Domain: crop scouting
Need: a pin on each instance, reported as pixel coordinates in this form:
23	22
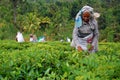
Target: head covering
87	8
96	15
78	18
19	37
31	35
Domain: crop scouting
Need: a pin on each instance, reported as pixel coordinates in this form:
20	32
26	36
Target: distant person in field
33	38
19	37
85	33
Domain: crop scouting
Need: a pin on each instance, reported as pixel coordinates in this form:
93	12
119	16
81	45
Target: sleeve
96	35
75	37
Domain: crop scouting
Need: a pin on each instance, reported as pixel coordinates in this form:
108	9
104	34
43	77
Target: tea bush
57	61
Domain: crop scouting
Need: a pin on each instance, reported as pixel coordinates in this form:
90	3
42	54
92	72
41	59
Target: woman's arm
75	38
96	35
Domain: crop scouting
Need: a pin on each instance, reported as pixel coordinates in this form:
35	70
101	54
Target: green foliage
57	60
32	16
108	33
29	23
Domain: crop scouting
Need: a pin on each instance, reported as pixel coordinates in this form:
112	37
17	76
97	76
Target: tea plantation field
57	61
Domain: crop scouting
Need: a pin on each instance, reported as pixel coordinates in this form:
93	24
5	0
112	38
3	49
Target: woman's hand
91	48
79	48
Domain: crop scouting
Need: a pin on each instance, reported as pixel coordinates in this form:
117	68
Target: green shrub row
57	61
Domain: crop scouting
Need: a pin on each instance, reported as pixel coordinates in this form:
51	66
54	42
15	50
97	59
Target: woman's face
86	16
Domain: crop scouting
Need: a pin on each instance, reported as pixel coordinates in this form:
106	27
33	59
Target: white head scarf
20	37
78	18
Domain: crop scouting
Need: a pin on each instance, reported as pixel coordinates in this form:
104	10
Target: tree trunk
15	14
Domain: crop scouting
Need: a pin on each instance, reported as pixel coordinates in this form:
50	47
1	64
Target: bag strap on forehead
87	8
